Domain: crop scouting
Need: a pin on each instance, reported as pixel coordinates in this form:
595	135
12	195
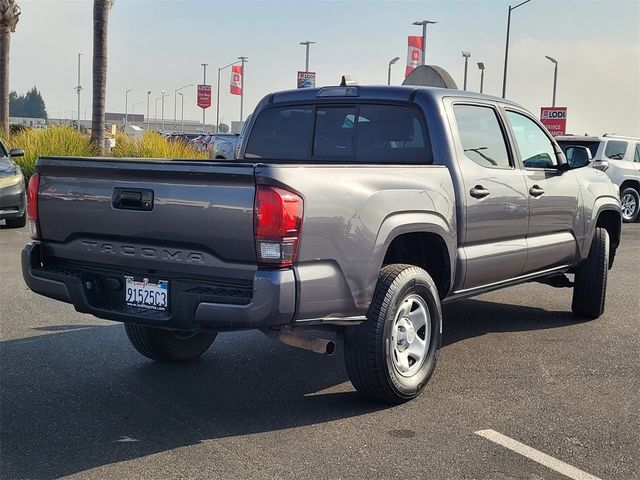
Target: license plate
147	294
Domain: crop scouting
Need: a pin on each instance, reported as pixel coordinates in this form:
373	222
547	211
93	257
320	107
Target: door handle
478	192
536	191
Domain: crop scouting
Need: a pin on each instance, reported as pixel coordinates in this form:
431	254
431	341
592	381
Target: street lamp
555	77
466	56
481	67
164	95
148	94
133	108
243	60
424	24
78	89
218	99
126	108
182	109
506	48
391	62
306	64
175	98
155	116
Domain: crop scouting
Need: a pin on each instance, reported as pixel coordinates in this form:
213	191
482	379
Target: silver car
13	199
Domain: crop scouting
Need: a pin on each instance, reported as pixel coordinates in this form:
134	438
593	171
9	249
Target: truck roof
374	92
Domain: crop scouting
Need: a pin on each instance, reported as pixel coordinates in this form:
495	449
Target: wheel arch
410	237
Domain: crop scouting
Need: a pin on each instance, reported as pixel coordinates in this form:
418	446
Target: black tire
17	222
630	208
369	347
590	285
168	345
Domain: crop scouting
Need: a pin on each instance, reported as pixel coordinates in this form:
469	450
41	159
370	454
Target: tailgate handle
130	199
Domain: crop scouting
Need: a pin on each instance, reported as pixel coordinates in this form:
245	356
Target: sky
160	45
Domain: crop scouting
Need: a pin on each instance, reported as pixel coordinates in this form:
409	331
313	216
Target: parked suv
618	157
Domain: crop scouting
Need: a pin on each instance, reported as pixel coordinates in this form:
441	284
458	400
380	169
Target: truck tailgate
189	217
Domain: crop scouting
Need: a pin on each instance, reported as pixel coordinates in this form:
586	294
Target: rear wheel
630	201
590	286
391	356
168	345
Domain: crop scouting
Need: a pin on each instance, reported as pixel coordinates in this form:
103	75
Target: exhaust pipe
317	345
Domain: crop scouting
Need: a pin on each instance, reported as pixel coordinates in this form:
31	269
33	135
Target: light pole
555	77
164	95
182	109
133	108
391	62
306	63
481	67
243	60
506	48
424	24
155	116
78	88
204	82
466	56
126	107
218	99
148	94
175	98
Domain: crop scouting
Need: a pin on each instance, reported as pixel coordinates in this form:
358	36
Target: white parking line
536	455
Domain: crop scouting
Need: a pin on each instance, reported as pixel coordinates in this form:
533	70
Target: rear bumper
270	301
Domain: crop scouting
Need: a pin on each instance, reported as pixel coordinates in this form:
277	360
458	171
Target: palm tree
100	27
9	15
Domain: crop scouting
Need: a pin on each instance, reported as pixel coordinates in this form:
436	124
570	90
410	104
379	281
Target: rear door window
361	133
615	149
481	136
636	156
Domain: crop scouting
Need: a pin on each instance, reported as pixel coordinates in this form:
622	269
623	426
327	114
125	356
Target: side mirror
16	152
577	156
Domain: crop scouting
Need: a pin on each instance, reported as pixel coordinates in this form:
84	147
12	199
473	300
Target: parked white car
618	157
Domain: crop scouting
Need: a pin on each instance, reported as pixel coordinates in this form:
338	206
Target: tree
9	15
100	27
30	105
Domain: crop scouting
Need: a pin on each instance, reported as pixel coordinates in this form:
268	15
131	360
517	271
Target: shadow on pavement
473	318
82	398
79	399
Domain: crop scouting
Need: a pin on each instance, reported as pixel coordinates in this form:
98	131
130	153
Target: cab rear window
333	133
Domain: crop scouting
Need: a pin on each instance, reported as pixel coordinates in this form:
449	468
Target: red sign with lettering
554	119
204	96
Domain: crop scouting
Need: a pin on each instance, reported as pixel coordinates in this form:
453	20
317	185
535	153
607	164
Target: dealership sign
306	79
204	96
554	119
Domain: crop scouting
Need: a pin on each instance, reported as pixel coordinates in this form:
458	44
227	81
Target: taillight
278	222
32	205
601	165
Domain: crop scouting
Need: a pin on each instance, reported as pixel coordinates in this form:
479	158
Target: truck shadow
82	397
473	318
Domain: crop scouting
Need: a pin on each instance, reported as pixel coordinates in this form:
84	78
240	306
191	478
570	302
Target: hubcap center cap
411	335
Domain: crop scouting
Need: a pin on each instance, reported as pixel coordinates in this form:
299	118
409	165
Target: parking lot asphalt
77	401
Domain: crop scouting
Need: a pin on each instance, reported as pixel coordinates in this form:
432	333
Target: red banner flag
415	53
236	80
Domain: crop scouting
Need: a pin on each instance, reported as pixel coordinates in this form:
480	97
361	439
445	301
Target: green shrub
55	141
152	145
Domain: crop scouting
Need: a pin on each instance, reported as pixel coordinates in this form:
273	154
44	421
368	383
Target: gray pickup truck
356	210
